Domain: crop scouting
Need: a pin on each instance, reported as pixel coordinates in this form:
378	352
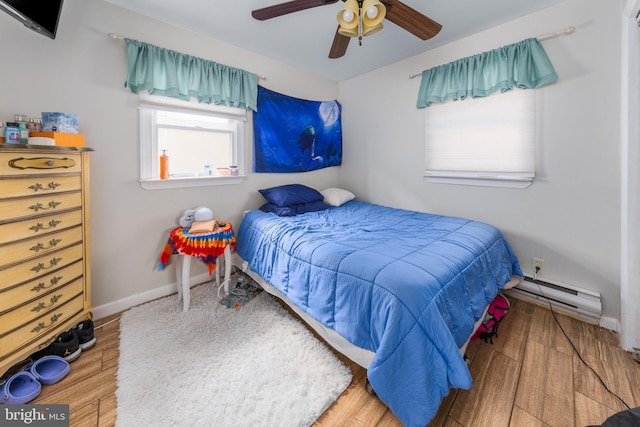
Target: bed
399	292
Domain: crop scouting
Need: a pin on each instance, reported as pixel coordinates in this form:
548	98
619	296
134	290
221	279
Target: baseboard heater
580	303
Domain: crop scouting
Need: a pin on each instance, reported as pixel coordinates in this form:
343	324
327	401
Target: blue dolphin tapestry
295	135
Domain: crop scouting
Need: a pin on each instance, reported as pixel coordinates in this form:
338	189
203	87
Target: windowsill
482	181
186	182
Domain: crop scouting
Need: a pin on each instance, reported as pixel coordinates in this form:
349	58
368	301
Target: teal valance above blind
168	73
524	65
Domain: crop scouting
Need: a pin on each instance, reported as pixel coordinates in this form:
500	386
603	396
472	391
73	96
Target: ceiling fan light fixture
348	15
374	13
348	18
367	31
349	32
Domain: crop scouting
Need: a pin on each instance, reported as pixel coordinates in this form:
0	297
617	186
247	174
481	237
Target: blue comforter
406	285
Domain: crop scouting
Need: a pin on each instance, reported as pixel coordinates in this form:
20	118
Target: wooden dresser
45	286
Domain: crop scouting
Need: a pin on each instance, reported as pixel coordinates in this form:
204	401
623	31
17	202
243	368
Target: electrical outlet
538	266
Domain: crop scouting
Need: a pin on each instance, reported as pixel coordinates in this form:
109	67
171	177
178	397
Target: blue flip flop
49	369
21	387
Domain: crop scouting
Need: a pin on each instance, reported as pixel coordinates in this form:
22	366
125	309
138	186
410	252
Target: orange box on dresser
62	139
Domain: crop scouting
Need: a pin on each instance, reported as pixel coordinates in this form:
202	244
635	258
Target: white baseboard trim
610	323
105	310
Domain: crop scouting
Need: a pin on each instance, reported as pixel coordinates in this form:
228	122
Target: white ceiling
303	38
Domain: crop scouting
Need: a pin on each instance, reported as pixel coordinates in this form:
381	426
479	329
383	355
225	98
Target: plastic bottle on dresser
34	125
21	119
1	132
11	133
164	165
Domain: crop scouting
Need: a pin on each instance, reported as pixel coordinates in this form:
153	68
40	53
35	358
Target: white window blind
482	141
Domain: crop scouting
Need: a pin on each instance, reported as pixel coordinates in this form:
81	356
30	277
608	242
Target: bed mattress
407	286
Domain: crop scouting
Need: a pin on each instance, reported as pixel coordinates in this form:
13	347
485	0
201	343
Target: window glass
201	142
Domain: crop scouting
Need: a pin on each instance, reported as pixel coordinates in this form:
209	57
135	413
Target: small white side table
182	276
208	247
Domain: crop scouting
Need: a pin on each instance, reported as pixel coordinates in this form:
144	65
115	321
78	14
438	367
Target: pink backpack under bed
489	327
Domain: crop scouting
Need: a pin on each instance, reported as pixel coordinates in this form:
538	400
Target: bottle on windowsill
164	165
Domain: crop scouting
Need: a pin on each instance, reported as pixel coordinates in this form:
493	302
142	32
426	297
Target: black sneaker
66	345
84	331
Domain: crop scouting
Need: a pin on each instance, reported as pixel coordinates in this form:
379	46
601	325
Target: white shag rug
215	366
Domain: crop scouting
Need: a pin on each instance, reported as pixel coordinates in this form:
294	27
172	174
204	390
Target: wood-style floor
529	376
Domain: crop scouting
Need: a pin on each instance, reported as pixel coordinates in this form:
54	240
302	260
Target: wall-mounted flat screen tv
41	16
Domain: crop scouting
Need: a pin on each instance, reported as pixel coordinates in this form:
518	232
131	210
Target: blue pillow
293	210
291	194
314	206
278	210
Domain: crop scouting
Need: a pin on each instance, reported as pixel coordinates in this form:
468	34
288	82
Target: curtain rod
119	37
566	31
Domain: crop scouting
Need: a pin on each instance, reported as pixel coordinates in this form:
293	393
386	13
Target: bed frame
356	354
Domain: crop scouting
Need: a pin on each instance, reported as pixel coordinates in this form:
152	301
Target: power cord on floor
555	317
106	323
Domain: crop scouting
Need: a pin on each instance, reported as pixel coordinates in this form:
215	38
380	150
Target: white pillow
337	196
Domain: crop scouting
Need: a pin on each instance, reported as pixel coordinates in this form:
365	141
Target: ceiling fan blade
339	45
288	7
411	20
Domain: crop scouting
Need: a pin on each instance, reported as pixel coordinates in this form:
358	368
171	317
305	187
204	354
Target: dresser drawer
36	164
40	245
43	305
15	296
47	204
39	267
37	226
35	186
34	330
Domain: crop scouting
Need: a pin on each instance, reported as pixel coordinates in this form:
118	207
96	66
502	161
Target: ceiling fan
394	10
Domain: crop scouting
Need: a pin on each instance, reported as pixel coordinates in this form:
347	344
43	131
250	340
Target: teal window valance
168	73
524	64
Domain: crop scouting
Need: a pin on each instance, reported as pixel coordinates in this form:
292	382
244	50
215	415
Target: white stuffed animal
203	214
197	214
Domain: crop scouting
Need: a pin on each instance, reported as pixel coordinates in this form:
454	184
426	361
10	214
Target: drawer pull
42	286
39	206
52	224
41	163
41	306
42	325
52	263
50	186
40	246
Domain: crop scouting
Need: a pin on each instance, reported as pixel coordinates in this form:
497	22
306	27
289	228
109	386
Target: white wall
82	71
570	216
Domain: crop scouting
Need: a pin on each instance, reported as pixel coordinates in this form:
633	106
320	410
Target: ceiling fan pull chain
360	22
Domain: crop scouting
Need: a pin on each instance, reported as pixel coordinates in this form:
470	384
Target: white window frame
509	179
149	152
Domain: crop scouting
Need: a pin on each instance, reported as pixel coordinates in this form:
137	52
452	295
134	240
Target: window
202	142
486	141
